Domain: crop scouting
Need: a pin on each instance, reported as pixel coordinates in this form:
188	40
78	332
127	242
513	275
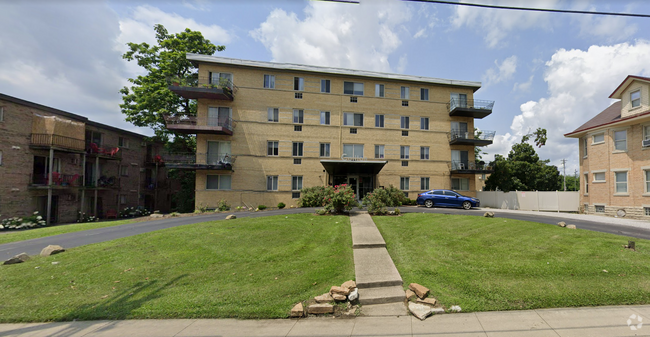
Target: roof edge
621	87
628	118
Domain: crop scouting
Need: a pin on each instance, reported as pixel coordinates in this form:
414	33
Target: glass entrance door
353	181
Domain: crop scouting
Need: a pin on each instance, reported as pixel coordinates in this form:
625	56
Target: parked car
446	198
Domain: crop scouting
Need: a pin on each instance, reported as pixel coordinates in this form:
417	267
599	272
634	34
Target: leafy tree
478	152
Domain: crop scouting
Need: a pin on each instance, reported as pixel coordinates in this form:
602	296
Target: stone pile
325	303
564	225
419	304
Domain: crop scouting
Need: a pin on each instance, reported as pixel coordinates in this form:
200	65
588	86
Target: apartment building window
124	170
297	149
424	183
379	90
404	183
597	139
457	100
296	183
218	182
405	103
299	84
324	149
424	153
297	128
379	151
274	115
325	86
269	81
219	116
404	152
460	184
353	99
298	95
122	199
646	210
635	98
620	140
325	117
621	182
353	88
459	160
404	122
404	93
585	145
646	132
405	163
353	131
424	123
94	137
599	208
271	183
646	174
298	116
424	94
217	151
221	79
272	148
123	142
599	177
586	183
353	150
2	114
379	121
352	119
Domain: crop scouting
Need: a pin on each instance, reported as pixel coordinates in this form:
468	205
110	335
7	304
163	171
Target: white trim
593	142
621	170
598	171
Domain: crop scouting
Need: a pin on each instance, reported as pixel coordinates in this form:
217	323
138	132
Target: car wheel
467	205
428	203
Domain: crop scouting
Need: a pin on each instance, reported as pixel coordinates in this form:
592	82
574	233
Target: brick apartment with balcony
56	160
615	154
292	126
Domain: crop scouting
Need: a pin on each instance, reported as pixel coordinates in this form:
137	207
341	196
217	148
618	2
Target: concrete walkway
601	321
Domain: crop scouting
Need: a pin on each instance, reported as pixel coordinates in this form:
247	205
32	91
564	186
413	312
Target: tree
478	152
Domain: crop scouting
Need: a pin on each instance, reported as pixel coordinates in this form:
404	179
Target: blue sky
543	69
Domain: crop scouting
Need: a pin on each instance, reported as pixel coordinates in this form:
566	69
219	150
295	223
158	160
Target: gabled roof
628	80
611	115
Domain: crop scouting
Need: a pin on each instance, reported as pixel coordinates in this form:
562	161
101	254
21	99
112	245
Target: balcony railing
469	107
59	180
203	125
103	182
458	137
466	166
105	151
204	87
52	140
199	161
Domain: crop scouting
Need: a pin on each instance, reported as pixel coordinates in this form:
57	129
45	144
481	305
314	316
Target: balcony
106	151
104	182
205	161
199	125
59	181
470	167
469	108
204	88
57	142
456	137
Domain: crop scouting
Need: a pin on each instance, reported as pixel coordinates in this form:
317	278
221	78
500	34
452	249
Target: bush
397	211
339	198
281	205
261	207
321	212
35	220
381	198
132	212
223	205
83	217
312	196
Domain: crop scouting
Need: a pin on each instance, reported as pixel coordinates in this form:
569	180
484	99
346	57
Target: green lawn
244	268
486	264
35	233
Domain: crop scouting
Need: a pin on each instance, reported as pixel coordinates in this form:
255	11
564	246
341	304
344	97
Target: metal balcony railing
103	181
58	179
192	121
484	135
199	160
466	165
46	139
455	103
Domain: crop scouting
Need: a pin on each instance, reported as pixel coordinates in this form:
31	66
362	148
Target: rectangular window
404	183
646	173
379	90
325	118
405	163
635	98
621	182
404	152
459	130
586	183
599	138
218	182
424	183
353	88
404	93
298	116
324	149
219	116
599	177
2	114
269	81
353	150
274	115
123	199
297	128
296	183
405	103
424	153
379	121
460	184
405	133
620	140
646	132
297	161
124	170
586	144
352	119
379	151
404	122
272	148
600	208
298	95
647	211
424	94
353	131
123	142
272	183
353	99
297	149
299	84
217	152
457	101
325	86
0	158
221	79
424	123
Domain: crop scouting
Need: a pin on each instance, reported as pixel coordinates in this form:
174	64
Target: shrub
223	205
339	198
35	220
132	212
312	196
397	211
281	205
261	207
381	198
321	212
83	217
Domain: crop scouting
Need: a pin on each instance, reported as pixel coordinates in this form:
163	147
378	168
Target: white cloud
524	87
604	28
502	72
338	35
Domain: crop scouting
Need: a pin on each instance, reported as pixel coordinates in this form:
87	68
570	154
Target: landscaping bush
380	199
261	207
339	198
83	217
223	205
35	220
312	196
127	212
281	205
397	211
321	212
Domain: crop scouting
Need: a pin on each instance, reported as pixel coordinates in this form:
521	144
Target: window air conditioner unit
645	143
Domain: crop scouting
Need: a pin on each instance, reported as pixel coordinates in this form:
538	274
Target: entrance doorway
360	184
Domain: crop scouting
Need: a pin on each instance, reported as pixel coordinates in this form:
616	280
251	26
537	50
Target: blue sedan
446	198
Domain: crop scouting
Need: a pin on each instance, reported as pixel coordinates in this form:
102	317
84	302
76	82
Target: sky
548	70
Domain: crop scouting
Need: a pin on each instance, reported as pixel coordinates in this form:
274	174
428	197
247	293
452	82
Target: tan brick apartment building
615	153
52	159
265	130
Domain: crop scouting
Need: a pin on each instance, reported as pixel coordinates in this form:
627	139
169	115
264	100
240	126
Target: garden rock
350	313
489	214
339	290
231	216
156	215
410	294
438	311
349	285
51	250
297	310
420	311
322	308
561	224
339	297
571	226
354	294
324	298
20	258
429	301
419	290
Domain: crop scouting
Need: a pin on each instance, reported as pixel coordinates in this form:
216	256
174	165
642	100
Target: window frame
354	120
586	183
300	116
645	132
617	142
123	142
273	180
325	118
382	120
405	182
593	138
422	152
584	146
354	92
123	200
207	181
124	170
646	176
380	90
424	183
269	81
296	183
325	86
424	92
404	152
422	123
637	100
354	148
275	147
297	149
327	148
404	122
622	183
460	184
2	114
273	115
405	92
298	83
595	175
380	151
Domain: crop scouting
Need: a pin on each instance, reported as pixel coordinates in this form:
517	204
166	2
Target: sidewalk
586	217
600	321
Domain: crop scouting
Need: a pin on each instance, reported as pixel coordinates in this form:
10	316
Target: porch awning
344	167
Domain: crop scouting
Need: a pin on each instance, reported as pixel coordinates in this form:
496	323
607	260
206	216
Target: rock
155	215
391	212
51	250
410	294
438	311
489	214
339	297
350	312
349	285
20	258
324	298
292	206
297	310
419	290
231	216
455	308
339	290
571	226
420	311
430	301
354	294
322	308
561	224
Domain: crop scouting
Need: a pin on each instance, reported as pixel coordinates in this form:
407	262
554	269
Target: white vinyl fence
531	200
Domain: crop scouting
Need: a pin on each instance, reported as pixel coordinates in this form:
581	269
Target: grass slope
486	264
35	233
244	268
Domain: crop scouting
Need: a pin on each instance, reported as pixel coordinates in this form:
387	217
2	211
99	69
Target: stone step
381	295
364	232
384	310
374	268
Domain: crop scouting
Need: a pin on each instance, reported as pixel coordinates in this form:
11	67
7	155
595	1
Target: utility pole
564	175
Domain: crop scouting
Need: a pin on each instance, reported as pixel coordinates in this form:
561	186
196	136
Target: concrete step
374	268
364	232
384	310
381	295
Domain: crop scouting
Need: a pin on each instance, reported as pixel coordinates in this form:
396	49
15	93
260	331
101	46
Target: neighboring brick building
615	154
48	160
292	126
